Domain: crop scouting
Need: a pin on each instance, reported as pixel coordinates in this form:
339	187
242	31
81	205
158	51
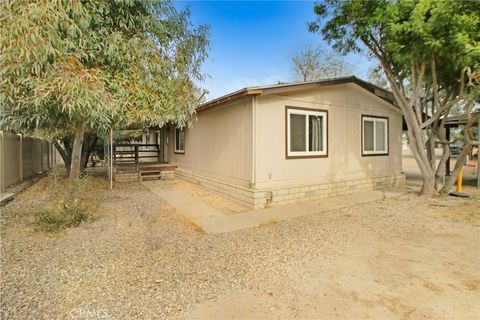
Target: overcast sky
251	42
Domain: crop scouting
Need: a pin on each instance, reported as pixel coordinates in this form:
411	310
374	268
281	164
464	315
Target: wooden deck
136	162
127	153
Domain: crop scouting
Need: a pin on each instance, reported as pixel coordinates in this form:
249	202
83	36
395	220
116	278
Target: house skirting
271	197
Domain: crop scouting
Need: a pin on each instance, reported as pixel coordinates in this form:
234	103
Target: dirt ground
400	258
410	168
420	265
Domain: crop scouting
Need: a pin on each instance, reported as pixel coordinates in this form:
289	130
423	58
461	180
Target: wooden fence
23	157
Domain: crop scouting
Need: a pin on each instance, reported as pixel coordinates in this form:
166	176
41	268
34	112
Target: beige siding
219	144
345	104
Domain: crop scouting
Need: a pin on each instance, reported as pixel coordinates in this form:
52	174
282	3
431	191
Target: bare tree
312	63
377	77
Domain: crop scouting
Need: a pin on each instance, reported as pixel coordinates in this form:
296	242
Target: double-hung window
374	135
179	140
306	132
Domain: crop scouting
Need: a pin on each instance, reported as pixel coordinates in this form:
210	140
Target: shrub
52	220
69	205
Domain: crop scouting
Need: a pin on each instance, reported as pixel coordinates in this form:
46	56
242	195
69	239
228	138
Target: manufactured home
273	145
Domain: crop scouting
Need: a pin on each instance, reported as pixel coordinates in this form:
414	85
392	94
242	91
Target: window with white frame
306	132
374	135
179	140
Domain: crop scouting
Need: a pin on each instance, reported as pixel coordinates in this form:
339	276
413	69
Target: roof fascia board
303	86
223	102
228	98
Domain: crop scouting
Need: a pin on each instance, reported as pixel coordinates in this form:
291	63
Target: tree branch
448	105
64	154
472	119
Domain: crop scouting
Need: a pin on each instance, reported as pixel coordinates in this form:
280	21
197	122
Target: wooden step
150	175
149	171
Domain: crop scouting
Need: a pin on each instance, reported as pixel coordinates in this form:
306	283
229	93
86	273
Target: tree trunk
65	156
77	152
440	172
67	144
420	156
428	186
430	146
441	168
458	165
65	150
89	142
428	177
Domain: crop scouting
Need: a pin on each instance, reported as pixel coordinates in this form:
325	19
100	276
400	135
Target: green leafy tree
74	67
429	51
312	63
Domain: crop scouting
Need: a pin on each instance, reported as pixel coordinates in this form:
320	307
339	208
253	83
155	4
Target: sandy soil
402	258
419	264
410	168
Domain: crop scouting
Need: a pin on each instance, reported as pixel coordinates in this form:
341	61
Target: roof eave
233	96
288	87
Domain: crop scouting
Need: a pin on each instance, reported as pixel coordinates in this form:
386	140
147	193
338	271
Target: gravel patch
142	260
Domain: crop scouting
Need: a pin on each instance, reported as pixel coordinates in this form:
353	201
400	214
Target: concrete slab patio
214	221
188	205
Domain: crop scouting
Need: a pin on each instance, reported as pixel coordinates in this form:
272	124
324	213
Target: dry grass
57	205
195	226
269	223
70	205
458	209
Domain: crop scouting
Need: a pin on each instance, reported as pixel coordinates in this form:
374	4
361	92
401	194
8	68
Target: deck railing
135	153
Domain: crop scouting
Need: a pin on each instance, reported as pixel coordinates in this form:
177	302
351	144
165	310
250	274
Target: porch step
144	171
149	175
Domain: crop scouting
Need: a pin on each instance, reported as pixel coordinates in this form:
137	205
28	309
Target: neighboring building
274	145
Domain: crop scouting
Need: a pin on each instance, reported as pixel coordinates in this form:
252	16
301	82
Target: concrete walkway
5	197
214	221
191	207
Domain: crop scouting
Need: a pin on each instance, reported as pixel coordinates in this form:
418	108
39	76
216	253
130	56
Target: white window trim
175	138
375	151
323	114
